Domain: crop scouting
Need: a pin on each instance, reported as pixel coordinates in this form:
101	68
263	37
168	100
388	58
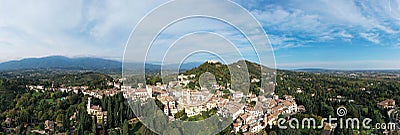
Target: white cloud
348	65
71	28
373	37
101	28
324	20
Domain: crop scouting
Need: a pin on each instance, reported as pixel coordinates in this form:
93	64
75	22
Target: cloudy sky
340	34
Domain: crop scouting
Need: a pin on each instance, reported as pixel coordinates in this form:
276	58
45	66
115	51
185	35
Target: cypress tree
125	128
94	125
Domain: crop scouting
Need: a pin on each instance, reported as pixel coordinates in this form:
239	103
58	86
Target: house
97	111
140	93
244	128
256	110
255	80
328	128
246	118
255	128
34	87
236	127
63	89
172	84
387	104
169	103
212	61
289	98
49	126
237	95
211	105
73	117
271	119
8	122
126	88
182	77
192	111
101	118
301	109
173	111
232	109
158	84
192	76
252	97
276	97
166	111
299	90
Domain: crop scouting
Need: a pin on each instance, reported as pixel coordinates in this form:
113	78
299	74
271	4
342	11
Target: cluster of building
62	88
114	83
249	112
193	102
100	93
253	118
340	98
84	89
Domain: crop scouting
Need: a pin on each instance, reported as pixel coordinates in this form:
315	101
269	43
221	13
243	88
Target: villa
387	104
97	111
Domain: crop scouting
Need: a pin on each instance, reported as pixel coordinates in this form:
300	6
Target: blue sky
340	34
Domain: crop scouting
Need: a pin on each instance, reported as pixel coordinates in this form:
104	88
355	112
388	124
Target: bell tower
88	105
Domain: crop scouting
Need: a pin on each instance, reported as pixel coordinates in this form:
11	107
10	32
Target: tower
88	105
188	97
149	90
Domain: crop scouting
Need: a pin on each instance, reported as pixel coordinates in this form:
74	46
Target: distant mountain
182	67
84	63
314	70
156	68
61	62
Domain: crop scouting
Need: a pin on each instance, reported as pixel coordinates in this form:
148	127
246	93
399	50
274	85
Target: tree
191	85
273	133
126	128
94	125
110	113
66	123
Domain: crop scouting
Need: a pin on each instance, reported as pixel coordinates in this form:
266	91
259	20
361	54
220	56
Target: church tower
88	105
188	97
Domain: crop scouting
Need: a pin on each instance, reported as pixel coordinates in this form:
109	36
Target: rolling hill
84	63
61	62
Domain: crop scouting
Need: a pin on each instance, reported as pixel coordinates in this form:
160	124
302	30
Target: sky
340	34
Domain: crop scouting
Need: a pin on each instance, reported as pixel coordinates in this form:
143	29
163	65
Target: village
250	113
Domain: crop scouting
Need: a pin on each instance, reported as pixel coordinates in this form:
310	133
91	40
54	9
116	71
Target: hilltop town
96	103
250	113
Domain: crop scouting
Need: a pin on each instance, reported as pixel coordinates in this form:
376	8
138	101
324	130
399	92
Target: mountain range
85	63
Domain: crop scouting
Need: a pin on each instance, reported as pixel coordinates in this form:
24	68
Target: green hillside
239	74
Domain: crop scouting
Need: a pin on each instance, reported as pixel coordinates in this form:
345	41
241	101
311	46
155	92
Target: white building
97	111
232	109
212	61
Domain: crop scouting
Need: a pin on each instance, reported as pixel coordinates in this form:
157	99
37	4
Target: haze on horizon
342	34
